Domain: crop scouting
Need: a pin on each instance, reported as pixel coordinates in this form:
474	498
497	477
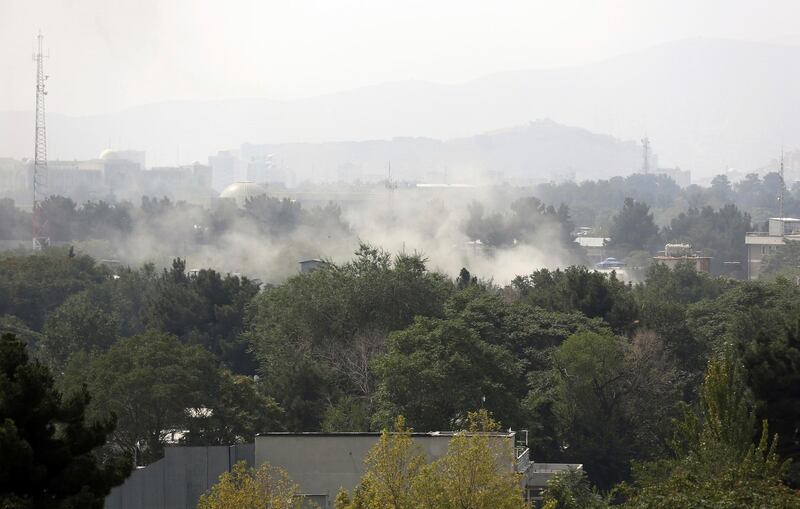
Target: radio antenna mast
783	185
645	155
40	238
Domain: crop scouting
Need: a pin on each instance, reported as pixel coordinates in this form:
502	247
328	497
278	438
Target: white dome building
109	155
134	156
241	191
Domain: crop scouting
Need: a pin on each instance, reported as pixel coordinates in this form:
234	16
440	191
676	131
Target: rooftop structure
675	254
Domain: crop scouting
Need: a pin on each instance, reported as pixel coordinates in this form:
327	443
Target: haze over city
409	254
138	75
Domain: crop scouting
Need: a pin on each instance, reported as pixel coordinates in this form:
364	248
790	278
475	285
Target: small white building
595	247
308	266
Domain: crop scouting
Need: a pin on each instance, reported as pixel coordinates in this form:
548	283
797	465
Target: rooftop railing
523	459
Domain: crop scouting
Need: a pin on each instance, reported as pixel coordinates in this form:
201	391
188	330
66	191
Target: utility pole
41	240
645	155
783	185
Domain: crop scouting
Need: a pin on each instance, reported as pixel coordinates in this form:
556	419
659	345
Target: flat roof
592	241
687	257
770	240
378	433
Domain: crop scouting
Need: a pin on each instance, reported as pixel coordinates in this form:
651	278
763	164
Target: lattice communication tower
41	238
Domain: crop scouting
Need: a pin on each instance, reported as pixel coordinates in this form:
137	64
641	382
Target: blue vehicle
609	263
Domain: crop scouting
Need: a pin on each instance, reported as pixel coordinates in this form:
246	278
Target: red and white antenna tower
41	239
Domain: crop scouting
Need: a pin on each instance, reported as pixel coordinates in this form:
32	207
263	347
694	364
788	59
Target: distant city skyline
109	56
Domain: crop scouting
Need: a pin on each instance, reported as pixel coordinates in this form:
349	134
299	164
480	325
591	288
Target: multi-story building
761	244
225	168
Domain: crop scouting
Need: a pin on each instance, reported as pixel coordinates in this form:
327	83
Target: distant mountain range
535	151
706	105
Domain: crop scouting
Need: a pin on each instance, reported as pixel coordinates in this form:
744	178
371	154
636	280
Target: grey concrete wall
322	464
178	479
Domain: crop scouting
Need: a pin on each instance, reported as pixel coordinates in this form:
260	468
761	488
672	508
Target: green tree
664	300
82	323
149	381
316	335
530	334
571	489
237	411
785	260
15	223
714	461
759	319
633	229
31	286
474	474
580	289
464	371
162	390
772	370
47	448
267	487
716	233
612	400
205	308
392	465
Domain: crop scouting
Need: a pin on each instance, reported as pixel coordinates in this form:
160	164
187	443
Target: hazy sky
107	55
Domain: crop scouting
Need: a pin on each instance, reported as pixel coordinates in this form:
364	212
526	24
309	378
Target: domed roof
241	191
108	154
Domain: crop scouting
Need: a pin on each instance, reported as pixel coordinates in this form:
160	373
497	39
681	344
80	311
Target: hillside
705	104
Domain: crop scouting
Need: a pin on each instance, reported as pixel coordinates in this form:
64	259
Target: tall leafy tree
266	487
84	322
571	489
613	400
48	449
465	371
579	289
163	390
316	336
633	228
785	260
473	474
714	461
392	466
716	233
31	286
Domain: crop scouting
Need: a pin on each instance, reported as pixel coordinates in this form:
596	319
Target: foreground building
320	463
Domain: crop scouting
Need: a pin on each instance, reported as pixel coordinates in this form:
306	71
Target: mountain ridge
706	104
